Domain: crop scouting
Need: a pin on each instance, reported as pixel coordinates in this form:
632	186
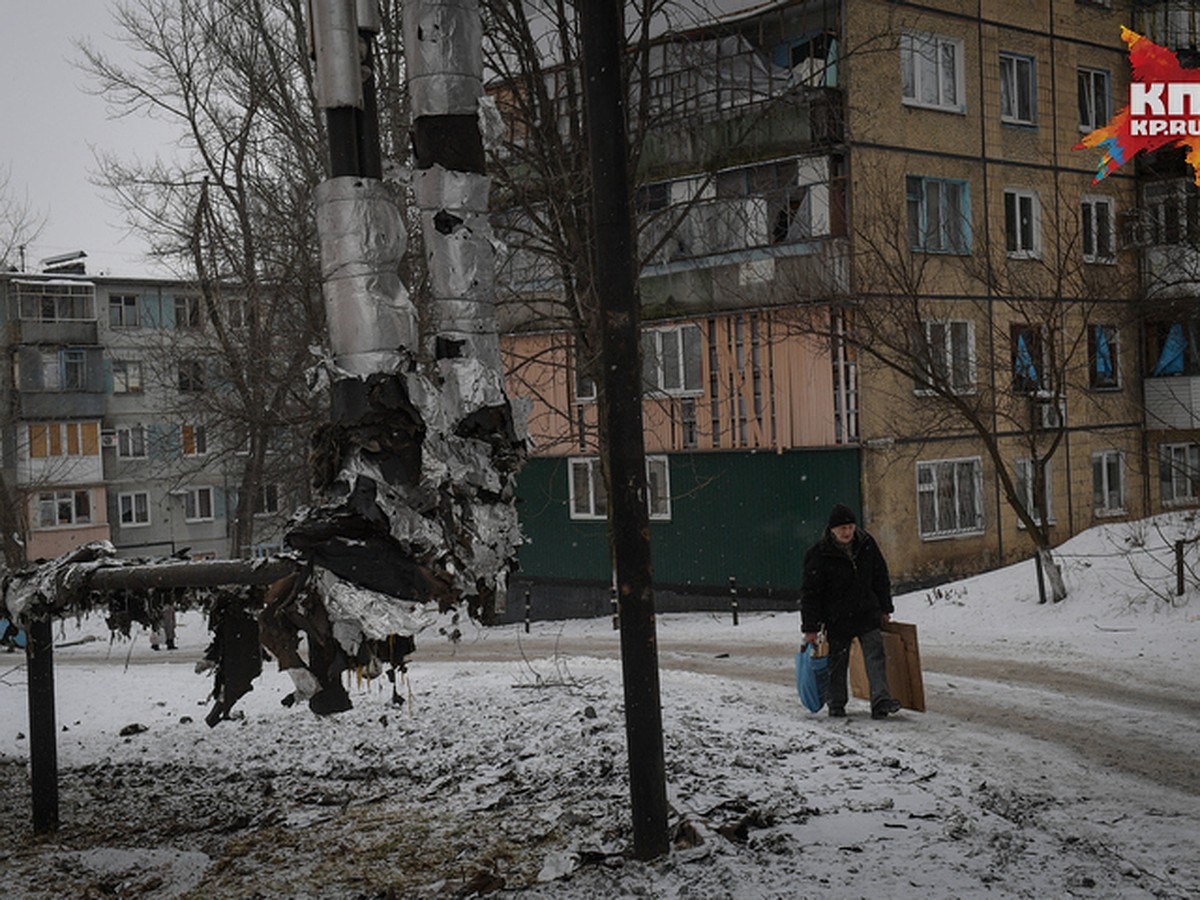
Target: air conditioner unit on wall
1052	414
108	439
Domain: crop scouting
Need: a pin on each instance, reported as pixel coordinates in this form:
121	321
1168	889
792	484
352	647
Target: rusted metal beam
184	574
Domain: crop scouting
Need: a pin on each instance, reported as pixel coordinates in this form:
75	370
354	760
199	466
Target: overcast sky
50	127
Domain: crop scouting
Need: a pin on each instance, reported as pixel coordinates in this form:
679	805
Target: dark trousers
873	659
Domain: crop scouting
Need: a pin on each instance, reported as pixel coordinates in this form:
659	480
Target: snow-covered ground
1059	757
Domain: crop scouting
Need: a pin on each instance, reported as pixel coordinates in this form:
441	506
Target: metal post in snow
527	610
602	34
43	742
616	610
1178	568
733	599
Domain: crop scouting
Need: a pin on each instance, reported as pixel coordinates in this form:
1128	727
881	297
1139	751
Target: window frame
656	356
122	369
1101	460
1023	482
1010	81
192	308
192	504
192	376
658	504
1188	471
56	499
132	498
193	440
1098	117
949	352
1090	218
127	438
960	529
1014	240
119	306
918	210
910	72
1112	338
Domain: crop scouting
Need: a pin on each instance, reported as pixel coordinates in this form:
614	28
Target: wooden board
903	666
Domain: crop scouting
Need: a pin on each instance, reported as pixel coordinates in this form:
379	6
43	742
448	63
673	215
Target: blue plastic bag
812	678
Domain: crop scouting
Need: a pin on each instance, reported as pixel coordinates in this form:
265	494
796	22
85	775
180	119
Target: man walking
847	589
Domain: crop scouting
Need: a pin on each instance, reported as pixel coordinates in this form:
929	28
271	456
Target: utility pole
602	33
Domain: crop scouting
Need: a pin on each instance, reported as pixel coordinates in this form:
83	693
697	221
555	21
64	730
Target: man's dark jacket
847	592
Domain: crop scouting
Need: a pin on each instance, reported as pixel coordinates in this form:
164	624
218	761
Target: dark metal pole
527	610
733	600
1178	568
43	742
602	31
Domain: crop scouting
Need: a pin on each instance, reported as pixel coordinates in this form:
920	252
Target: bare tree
230	211
980	342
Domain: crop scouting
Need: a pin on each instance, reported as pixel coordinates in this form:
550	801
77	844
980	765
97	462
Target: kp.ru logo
1163	110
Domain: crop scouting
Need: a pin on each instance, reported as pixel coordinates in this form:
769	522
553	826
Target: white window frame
194	374
131	442
1019	196
1023	482
658	475
127	376
199	440
56	501
1184	481
666	366
947	352
1014	94
1092	211
192	505
916	45
1091	115
128	503
1102	463
1113	337
121	305
954	470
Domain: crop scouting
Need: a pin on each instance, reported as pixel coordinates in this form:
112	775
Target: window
193	440
187	312
198	504
266	501
131	442
1095	99
133	509
49	439
947	357
191	375
939	215
1108	482
1028	359
1103	371
931	71
57	509
74	367
590	501
123	311
1097	219
950	498
1022	228
1023	476
56	302
671	360
1017	90
585	386
1178	472
126	376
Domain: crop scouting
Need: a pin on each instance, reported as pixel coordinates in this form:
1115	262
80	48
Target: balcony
68	332
56	405
1173	402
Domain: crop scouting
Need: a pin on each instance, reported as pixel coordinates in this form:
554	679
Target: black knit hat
841	515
